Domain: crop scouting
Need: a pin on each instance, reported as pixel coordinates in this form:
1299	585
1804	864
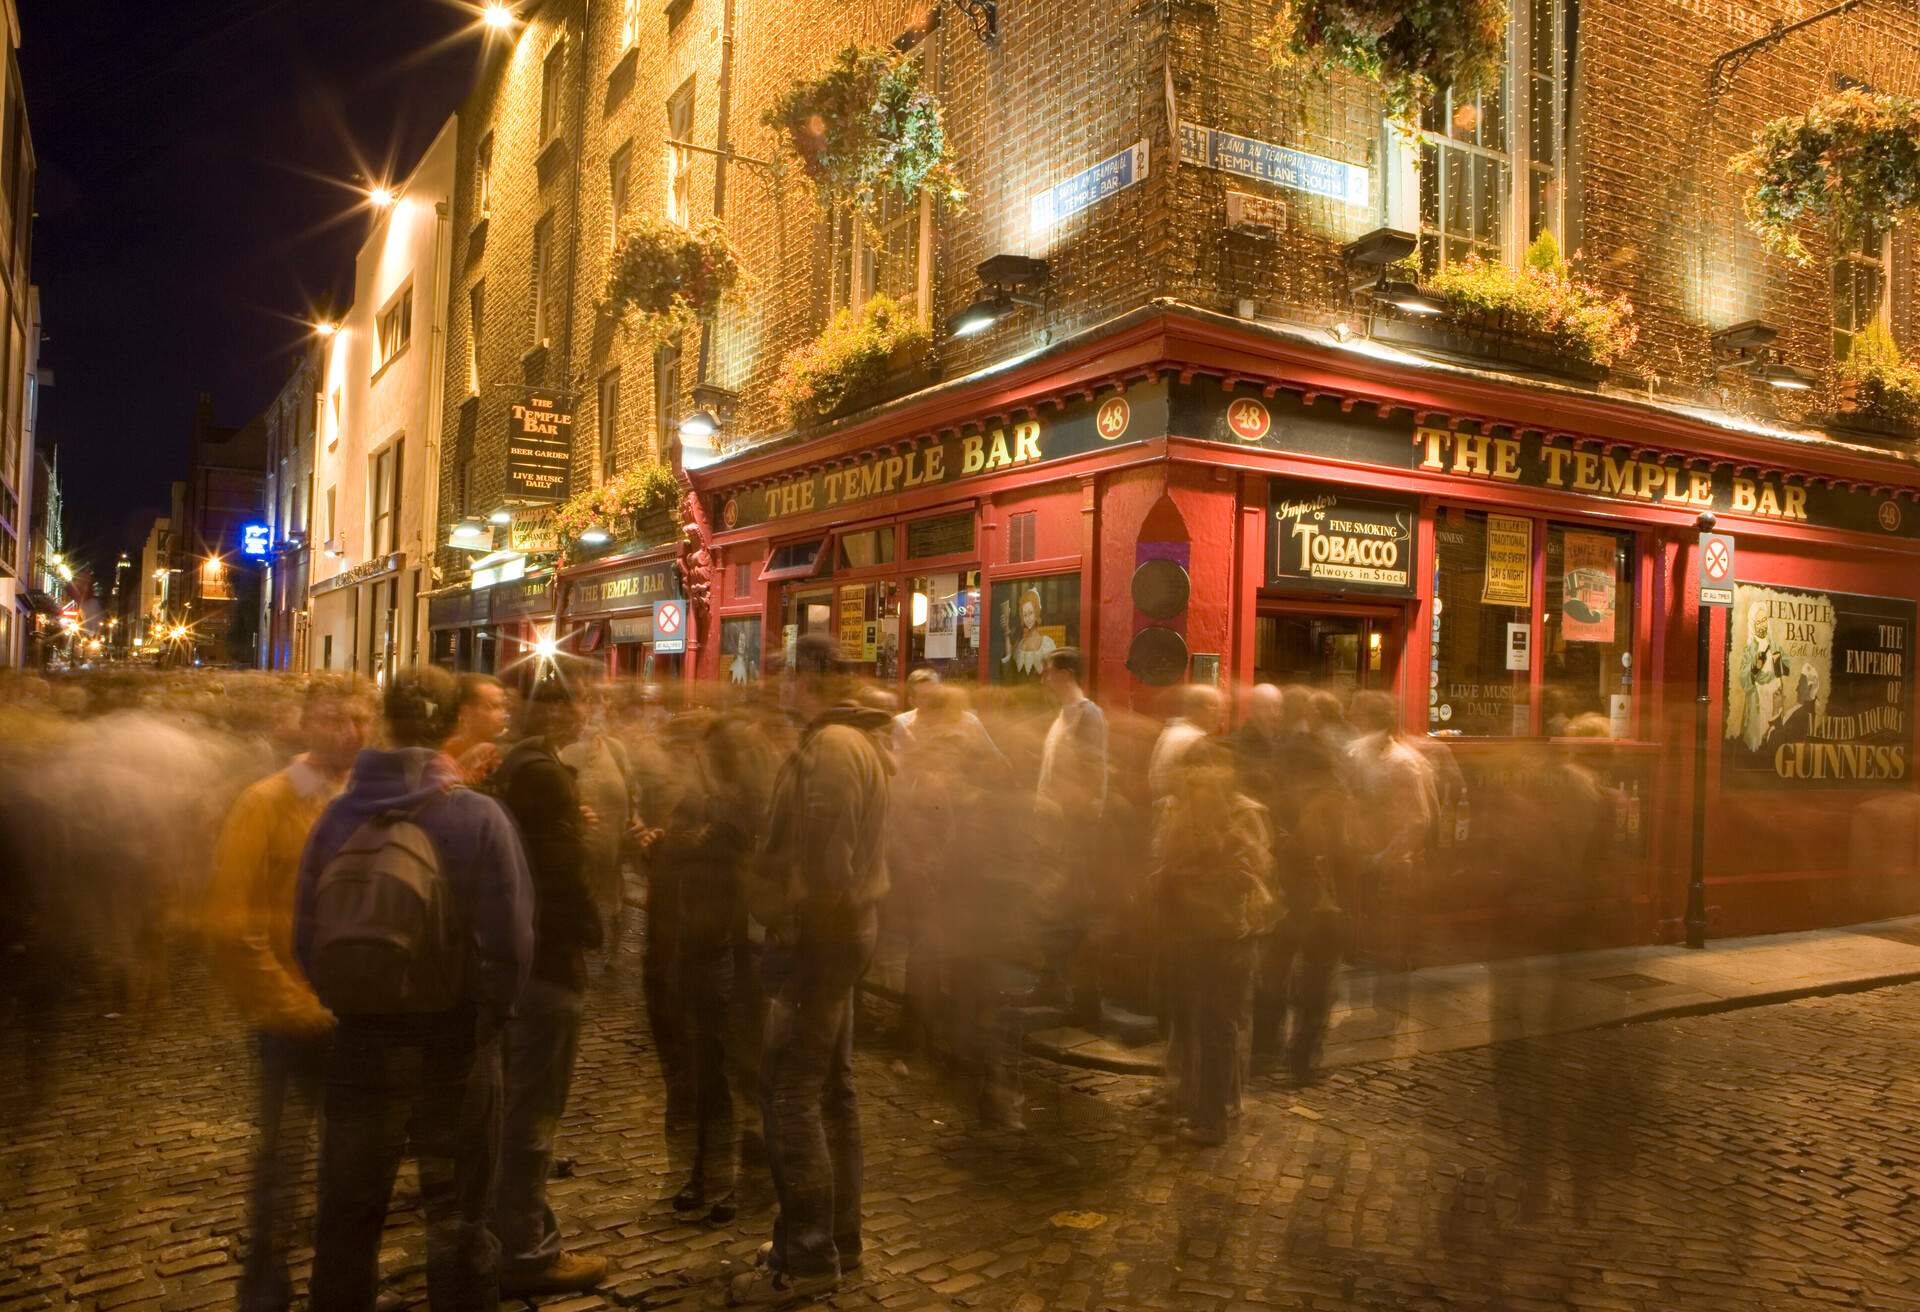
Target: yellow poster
853	622
1509	561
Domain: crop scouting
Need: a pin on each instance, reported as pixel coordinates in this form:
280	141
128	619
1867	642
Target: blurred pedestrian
1072	787
475	744
250	929
599	761
816	888
542	1039
1212	849
414	922
1201	714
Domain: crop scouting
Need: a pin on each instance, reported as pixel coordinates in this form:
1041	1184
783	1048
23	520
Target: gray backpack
386	939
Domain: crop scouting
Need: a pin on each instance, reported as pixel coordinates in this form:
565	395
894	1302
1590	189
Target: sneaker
769	1288
564	1273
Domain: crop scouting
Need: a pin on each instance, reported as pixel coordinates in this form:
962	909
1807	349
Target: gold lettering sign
1648	479
887	473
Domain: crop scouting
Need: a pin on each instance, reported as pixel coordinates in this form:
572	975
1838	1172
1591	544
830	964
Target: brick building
1202	454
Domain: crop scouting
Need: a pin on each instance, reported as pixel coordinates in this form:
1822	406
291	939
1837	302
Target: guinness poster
1320	537
1818	694
540	446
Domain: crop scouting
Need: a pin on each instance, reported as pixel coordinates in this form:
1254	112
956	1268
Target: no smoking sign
1716	569
670	627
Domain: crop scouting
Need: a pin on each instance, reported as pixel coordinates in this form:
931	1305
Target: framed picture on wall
740	650
1032	619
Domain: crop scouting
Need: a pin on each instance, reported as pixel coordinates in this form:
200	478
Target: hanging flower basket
865	130
667	276
1852	160
852	361
1539	317
623	505
1411	49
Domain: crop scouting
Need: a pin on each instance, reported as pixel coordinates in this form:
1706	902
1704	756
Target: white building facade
376	459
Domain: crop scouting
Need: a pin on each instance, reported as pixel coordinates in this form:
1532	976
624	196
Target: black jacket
542	795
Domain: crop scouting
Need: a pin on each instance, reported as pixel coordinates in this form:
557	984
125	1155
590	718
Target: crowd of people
414	894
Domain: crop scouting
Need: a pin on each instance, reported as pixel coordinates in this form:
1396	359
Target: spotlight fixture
1407	297
699	426
1748	348
468	529
501	516
326	328
497	16
1379	248
595	535
380	197
1366	260
1009	281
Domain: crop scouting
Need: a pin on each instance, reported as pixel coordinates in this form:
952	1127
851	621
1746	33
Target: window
483	177
551	75
1586	666
476	330
609	423
680	161
393	329
894	259
1020	534
337	405
464	493
543	264
619	188
943	535
1581	606
629	24
1859	288
331	521
384	505
1477	696
666	397
944	629
1473	152
866	547
326	651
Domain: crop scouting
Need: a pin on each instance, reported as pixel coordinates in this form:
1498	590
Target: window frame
395	317
607	415
853	269
483	176
543	311
666	397
385	470
619	189
553	76
1520	158
679	160
1639	592
476	332
1852	258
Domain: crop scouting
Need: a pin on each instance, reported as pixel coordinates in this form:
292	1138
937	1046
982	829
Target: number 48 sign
1716	569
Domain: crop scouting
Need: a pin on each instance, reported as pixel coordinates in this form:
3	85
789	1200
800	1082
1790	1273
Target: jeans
706	990
1209	983
1295	975
538	1047
428	1084
807	1098
292	1074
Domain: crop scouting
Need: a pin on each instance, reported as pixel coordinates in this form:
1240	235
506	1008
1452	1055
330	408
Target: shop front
609	617
363	618
1188	498
522	614
460	623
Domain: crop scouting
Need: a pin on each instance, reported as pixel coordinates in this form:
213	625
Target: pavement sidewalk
1379	1016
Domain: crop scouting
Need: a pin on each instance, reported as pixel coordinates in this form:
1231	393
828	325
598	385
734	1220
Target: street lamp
595	535
380	197
326	328
497	16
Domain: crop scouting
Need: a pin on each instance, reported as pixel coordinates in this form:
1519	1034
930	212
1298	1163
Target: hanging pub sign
540	446
1509	575
1321	537
533	531
1818	692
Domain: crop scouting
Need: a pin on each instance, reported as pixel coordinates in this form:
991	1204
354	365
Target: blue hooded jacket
480	858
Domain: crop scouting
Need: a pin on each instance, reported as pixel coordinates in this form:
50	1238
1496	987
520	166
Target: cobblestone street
1754	1159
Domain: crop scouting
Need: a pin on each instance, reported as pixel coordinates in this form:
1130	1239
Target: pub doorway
1342	648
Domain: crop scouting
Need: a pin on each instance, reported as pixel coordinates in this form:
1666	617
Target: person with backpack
542	1040
250	933
413	921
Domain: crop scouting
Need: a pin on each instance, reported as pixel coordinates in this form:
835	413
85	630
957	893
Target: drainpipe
436	421
578	149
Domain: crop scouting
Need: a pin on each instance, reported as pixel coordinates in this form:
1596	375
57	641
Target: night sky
193	206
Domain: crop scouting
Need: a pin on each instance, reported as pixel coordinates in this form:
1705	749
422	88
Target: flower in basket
1540	299
1853	160
669	276
1412	48
1876	381
865	130
852	356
